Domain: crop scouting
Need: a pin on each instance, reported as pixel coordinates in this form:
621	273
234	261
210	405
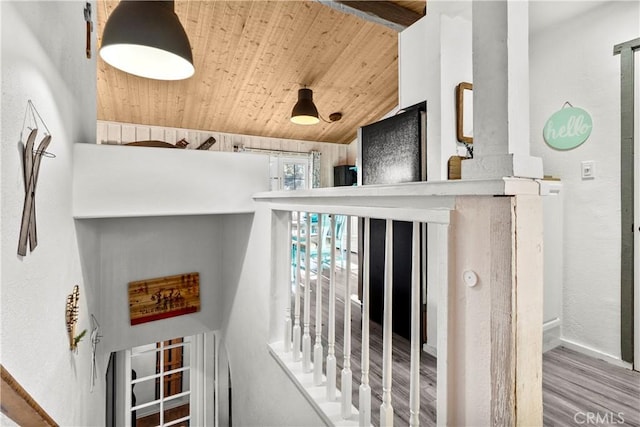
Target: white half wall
573	61
44	61
117	181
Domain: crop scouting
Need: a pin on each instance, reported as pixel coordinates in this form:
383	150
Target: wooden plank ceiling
251	57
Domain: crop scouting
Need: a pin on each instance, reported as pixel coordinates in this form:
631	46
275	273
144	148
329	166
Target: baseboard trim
430	349
588	351
551	334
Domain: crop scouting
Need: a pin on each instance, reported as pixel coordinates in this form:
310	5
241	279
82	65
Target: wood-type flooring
575	386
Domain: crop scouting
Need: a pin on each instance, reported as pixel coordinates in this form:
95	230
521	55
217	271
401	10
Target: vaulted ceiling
251	57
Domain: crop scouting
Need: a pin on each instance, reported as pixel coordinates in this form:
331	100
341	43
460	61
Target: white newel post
494	336
364	392
306	337
501	92
346	365
331	340
296	305
287	309
386	410
317	348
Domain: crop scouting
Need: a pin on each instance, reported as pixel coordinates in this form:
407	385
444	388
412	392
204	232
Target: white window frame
305	160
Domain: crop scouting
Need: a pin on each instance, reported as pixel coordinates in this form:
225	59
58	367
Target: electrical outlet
588	169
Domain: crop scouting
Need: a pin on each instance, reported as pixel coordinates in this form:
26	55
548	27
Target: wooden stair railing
18	405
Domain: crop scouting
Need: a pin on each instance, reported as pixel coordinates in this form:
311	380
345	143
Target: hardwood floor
577	389
575	385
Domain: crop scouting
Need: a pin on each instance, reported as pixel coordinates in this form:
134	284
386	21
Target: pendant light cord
333	117
323	119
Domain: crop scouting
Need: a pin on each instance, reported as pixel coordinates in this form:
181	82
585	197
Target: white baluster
306	337
346	365
317	348
414	389
331	357
287	310
296	305
386	410
364	391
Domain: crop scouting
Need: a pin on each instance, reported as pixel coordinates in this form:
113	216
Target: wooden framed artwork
164	297
464	112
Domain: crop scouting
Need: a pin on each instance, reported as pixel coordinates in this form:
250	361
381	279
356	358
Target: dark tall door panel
402	234
393	151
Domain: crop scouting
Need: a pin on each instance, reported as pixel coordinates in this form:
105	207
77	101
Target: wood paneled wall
122	133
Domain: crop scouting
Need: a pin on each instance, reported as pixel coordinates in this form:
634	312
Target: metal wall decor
31	168
89	25
95	339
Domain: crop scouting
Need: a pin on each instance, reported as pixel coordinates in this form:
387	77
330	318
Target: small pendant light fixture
305	111
146	38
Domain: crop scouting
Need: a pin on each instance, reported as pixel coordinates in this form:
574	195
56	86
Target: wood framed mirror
464	112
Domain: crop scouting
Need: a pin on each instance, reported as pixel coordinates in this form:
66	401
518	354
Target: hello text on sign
567	128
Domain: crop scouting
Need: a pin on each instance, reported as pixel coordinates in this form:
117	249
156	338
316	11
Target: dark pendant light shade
146	38
305	111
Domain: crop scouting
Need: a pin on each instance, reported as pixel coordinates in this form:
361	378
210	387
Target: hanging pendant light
146	38
305	111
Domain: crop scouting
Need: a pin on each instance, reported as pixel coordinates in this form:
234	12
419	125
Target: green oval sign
567	128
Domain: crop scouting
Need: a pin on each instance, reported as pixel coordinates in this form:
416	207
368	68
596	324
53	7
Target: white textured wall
133	249
573	61
263	395
118	181
419	80
434	56
43	59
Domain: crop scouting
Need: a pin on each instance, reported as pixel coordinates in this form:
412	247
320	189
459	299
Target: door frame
203	363
629	292
636	246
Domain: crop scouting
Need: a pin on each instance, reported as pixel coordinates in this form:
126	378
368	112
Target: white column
386	410
364	391
331	352
317	348
296	305
346	364
414	378
501	92
287	310
306	337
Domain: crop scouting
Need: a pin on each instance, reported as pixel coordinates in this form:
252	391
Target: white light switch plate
588	169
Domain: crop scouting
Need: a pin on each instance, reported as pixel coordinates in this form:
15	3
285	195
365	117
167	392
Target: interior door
393	150
636	221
